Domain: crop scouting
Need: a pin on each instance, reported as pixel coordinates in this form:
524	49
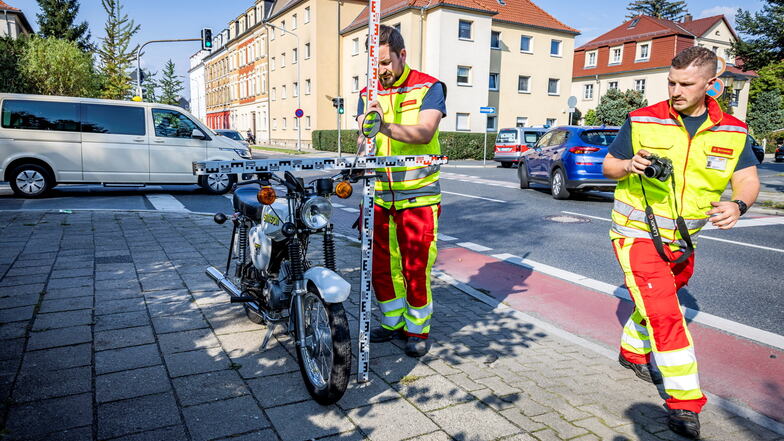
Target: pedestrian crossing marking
166	202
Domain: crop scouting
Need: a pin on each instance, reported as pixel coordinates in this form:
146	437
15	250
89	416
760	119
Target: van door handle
138	139
159	141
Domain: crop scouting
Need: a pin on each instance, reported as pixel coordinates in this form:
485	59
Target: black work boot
642	371
417	346
381	334
684	422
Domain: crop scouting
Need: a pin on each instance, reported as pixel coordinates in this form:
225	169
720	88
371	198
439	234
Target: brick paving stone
160	281
433	392
352	435
63	319
114	306
37	385
15	301
64	293
395	367
280	389
212	386
473	421
136	415
466	383
562	427
375	390
183	322
161	309
121	320
498	403
131	383
120	338
68	304
117	294
74	272
115	360
13	330
212	297
11	349
19	314
196	362
58	358
171	433
518	418
498	386
391	421
596	427
175	295
59	337
75	434
187	341
439	366
23	280
237	415
112	284
73	282
244	350
435	436
229	319
320	421
28	270
24	421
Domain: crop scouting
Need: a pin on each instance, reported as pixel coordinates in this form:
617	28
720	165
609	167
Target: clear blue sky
171	19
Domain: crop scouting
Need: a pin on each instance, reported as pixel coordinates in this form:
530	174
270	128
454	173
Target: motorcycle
268	271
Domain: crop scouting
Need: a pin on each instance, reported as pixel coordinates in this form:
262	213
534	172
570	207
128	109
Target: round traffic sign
298	113
572	101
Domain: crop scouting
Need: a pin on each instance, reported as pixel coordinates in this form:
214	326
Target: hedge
456	145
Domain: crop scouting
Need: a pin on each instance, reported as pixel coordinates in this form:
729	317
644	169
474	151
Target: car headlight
316	212
244	153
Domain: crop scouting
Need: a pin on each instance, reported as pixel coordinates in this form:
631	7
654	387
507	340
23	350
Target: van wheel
31	181
558	184
522	173
217	183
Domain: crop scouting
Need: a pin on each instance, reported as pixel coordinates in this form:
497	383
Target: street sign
298	113
572	101
487	110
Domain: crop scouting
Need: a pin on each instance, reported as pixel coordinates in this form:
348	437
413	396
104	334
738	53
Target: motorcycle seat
246	203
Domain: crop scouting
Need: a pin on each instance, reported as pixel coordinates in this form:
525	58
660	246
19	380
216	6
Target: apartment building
198	88
13	22
216	80
510	55
637	55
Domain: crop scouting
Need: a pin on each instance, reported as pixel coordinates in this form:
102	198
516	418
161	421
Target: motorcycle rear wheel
324	361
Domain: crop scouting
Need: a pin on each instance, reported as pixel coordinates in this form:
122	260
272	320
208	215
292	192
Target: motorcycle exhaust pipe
230	288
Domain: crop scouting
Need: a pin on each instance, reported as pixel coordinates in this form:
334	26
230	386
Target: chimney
686	18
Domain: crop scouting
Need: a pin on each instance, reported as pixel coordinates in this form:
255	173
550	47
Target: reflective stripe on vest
634	214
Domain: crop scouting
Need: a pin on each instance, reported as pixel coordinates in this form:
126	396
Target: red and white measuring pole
365	298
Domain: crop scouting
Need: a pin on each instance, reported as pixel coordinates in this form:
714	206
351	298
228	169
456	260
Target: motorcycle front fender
331	287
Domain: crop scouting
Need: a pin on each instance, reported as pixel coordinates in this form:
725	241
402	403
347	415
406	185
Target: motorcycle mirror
266	195
371	124
344	190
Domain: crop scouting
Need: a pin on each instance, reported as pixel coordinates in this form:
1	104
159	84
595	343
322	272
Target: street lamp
299	104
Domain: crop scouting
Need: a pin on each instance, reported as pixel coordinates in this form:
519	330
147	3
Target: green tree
115	53
58	67
765	30
149	86
771	77
766	113
170	84
11	78
590	118
616	105
57	20
666	9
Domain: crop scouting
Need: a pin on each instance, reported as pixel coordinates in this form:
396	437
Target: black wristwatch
742	205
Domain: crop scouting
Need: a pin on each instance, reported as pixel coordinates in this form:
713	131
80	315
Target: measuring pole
338	133
365	302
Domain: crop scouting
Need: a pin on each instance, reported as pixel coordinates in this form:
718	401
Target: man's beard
387	82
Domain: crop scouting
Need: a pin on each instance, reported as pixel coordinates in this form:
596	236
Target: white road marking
336	205
742	243
350	210
586	215
166	202
474	246
473	197
446	238
477	180
701	317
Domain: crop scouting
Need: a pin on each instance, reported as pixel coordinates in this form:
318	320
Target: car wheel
558	184
506	164
522	173
31	181
217	183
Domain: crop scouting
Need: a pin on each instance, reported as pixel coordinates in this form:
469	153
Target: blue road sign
487	110
298	113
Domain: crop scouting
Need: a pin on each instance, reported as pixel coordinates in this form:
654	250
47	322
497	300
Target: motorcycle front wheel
324	360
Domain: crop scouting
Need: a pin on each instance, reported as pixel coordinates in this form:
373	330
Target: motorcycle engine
277	291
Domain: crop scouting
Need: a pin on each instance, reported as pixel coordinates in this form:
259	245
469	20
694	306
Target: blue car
568	159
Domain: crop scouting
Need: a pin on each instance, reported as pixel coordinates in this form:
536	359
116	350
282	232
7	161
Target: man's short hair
391	37
696	56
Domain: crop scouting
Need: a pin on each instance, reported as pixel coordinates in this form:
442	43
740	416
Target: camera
660	168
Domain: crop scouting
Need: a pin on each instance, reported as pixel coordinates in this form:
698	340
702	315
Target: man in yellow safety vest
673	161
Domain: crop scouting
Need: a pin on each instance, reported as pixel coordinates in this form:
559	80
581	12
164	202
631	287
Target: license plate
504	149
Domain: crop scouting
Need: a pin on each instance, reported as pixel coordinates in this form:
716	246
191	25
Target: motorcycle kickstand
268	335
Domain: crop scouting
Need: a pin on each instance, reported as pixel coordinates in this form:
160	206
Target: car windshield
232	134
599	137
507	136
532	137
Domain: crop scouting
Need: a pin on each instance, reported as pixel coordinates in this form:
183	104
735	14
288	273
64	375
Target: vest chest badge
716	163
407	103
722	151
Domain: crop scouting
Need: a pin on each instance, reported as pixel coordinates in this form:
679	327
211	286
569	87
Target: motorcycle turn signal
266	195
344	190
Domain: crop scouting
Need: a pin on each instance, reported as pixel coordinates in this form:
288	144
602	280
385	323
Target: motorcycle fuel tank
272	219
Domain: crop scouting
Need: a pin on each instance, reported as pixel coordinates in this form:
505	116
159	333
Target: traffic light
206	39
337	103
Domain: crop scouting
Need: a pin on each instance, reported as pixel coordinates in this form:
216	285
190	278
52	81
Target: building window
307	51
294	22
282	60
294	56
552	86
464	30
588	92
492	123
639	86
616	55
283	123
612	85
463	76
590	59
307	15
307	86
525	44
735	98
495	40
283	92
355	83
643	51
307	123
355	46
521	121
295	89
283	27
493	81
555	48
274	94
274	124
272	63
462	122
550	122
524	84
272	37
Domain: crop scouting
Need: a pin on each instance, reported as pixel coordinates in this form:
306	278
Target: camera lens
652	171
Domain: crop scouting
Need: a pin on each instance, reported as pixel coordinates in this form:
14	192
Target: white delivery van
48	140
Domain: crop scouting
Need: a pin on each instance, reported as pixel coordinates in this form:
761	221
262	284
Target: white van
48	140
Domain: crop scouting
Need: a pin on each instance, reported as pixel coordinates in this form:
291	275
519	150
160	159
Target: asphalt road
738	272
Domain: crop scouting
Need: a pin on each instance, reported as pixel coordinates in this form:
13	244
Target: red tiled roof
702	25
514	11
646	28
4	5
738	71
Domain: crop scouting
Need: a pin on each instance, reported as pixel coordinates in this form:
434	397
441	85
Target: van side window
113	120
531	137
40	115
507	136
172	124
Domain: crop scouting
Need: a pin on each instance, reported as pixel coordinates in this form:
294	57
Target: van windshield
532	137
507	136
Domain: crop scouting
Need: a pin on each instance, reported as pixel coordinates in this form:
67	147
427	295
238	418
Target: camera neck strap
650	219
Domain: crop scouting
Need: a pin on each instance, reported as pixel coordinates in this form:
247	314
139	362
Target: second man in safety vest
408	199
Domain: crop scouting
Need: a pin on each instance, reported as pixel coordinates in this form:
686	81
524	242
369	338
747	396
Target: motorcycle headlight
316	212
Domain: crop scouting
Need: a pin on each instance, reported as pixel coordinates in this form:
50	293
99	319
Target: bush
455	145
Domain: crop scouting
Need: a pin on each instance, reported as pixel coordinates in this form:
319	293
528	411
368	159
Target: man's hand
724	215
616	168
638	163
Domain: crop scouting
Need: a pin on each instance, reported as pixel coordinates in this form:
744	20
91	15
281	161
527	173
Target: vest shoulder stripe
654	120
727	128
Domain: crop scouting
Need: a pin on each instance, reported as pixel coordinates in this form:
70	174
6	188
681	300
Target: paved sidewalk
109	329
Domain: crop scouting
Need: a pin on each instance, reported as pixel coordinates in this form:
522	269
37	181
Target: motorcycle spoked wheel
324	361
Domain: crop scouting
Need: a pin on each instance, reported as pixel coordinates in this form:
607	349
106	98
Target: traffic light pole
138	66
338	134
